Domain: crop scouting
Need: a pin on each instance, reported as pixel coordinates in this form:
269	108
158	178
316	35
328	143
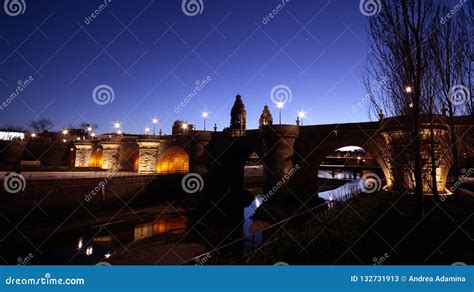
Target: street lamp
280	106
65	131
119	132
117	125
204	116
89	129
147	130
184	126
301	116
155	121
33	135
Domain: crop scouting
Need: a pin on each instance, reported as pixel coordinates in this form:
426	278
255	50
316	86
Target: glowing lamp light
89	129
92	134
147	130
155	121
205	114
65	131
107	255
280	104
64	140
89	250
119	132
117	125
33	135
185	126
408	89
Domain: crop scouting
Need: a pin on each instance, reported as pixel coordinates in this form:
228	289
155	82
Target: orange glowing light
174	160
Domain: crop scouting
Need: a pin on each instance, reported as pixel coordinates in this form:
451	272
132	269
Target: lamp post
280	106
155	121
301	116
204	116
117	127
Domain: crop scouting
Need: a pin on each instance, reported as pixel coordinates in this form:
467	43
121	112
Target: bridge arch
173	160
97	157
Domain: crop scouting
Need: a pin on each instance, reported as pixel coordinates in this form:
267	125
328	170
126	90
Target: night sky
151	54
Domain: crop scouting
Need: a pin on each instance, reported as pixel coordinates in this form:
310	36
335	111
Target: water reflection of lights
89	250
173	224
79	244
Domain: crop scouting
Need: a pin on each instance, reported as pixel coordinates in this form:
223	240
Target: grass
383	227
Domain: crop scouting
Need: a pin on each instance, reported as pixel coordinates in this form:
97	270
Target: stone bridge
220	156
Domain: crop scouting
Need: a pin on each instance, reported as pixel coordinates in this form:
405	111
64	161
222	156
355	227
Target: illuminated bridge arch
97	157
173	160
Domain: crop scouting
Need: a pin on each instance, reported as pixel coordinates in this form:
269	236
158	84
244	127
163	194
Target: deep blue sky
152	68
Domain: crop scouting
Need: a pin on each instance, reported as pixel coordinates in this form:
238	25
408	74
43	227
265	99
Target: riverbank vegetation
380	228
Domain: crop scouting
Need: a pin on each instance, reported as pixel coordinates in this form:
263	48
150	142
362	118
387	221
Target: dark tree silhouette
41	125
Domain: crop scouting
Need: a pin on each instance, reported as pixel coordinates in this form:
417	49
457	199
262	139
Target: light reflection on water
251	239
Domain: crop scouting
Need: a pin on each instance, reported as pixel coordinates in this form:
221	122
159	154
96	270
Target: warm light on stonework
174	160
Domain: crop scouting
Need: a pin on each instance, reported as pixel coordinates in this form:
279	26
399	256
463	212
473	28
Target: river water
93	244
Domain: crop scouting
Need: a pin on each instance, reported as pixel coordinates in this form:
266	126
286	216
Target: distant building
11	135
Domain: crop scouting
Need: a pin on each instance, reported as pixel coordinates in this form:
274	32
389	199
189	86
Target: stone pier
111	155
148	155
83	154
